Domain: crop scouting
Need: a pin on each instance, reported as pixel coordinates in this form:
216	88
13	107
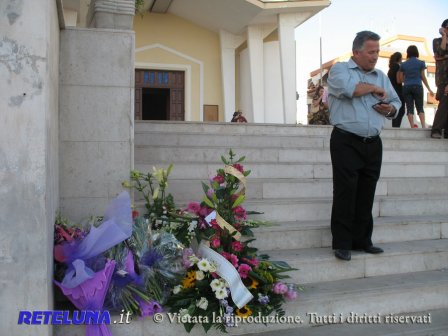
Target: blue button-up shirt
356	114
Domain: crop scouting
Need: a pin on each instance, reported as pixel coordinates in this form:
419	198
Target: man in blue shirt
360	99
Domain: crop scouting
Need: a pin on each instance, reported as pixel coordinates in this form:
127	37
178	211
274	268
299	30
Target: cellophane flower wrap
117	261
204	297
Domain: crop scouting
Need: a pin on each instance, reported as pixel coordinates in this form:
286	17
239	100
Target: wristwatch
391	113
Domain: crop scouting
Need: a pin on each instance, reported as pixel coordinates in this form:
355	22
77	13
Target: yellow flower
126	184
135	174
158	174
254	283
244	312
189	279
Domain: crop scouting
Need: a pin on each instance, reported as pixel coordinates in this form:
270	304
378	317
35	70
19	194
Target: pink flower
237	246
203	224
215	242
231	257
210	193
253	262
243	270
193	207
215	225
238	167
62	235
219	179
291	295
239	212
185	255
234	260
204	211
279	288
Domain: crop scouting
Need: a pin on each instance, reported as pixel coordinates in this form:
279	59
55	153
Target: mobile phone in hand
379	103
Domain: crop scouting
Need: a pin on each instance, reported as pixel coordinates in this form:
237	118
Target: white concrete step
375	296
198	170
273	155
268	189
221	128
312	234
242	141
437	327
319	264
306	209
311	209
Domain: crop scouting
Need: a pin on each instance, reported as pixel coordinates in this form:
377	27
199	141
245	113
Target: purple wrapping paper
90	295
115	228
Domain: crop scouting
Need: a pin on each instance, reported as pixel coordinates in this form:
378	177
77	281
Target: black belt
367	140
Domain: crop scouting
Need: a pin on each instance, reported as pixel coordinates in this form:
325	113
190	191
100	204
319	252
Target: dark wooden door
159	95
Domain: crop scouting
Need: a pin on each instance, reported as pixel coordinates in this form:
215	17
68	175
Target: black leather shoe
343	254
373	250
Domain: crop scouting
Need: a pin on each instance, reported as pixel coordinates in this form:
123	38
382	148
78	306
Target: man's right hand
379	93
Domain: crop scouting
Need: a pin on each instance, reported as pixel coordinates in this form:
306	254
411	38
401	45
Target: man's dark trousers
356	170
441	117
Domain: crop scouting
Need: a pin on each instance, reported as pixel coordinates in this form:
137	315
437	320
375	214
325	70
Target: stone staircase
290	182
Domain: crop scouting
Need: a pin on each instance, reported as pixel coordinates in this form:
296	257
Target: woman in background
394	65
412	74
238	117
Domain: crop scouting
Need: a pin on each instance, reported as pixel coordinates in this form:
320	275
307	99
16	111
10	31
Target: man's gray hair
363	36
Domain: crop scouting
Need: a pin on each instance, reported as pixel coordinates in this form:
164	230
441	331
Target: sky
339	23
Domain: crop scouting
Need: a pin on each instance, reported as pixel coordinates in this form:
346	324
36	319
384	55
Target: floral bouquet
226	279
161	211
117	262
82	272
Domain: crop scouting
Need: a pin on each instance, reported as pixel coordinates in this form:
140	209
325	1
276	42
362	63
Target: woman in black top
394	66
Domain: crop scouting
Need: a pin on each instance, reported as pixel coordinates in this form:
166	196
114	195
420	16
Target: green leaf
207	201
188	326
207	326
156	193
241	159
168	170
205	187
223	159
238	201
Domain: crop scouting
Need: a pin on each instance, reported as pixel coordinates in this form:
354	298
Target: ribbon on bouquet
223	224
235	172
240	294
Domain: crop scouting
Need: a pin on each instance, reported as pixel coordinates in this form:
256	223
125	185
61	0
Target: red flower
237	246
254	262
238	167
239	213
243	270
234	197
193	207
231	257
135	214
215	242
219	179
204	211
215	225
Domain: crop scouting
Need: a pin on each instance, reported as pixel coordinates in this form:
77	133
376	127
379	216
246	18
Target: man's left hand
384	109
